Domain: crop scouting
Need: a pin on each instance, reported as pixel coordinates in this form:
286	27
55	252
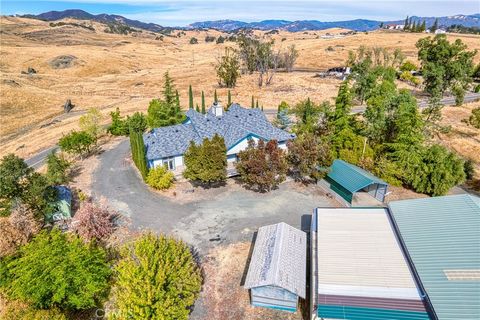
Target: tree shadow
207	186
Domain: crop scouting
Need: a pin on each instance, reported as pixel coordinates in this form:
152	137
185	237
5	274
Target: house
358	268
442	238
353	183
237	125
277	272
440	31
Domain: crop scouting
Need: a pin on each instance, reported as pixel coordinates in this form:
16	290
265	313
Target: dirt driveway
226	215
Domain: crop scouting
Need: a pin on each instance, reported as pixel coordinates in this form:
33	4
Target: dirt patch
63	62
223	296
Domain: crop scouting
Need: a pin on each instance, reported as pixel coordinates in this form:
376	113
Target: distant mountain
358	24
104	18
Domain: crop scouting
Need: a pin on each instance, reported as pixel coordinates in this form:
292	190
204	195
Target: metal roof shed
442	237
346	179
277	271
358	268
61	208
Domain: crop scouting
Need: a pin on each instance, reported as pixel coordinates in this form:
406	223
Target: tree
253	103
439	171
261	166
190	97
137	147
22	311
408	66
57	169
256	104
197	108
434	26
207	162
474	119
137	123
229	99
283	120
156	278
423	27
445	66
160	178
58	270
162	114
119	126
193	40
215	97
406	24
169	92
228	68
289	57
17	229
220	39
78	143
306	155
414	27
90	123
94	221
20	182
203	103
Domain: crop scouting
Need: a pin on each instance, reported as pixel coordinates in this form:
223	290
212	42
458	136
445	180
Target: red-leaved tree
94	221
261	166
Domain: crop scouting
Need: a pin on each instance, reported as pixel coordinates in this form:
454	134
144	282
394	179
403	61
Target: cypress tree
215	98
423	27
229	99
435	26
197	108
137	147
190	97
256	104
262	107
253	103
203	103
407	24
177	98
414	27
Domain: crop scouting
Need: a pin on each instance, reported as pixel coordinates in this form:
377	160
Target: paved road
225	215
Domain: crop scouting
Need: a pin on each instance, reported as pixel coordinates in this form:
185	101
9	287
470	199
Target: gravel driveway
226	217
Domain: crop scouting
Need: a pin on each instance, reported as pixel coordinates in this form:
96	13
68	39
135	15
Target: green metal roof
352	177
442	237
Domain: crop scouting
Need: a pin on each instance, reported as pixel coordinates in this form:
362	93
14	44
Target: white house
167	145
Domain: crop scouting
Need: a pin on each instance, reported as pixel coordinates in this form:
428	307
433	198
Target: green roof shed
61	208
442	238
347	179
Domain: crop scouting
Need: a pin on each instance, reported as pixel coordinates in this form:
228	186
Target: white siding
242	145
178	161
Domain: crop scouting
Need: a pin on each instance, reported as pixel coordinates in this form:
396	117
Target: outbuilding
61	208
277	272
346	180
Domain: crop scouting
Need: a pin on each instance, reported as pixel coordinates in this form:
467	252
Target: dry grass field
126	71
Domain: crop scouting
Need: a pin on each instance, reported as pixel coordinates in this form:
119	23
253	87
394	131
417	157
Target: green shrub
77	143
160	178
469	169
474	119
57	169
119	126
408	77
56	270
17	310
193	40
90	122
156	278
408	66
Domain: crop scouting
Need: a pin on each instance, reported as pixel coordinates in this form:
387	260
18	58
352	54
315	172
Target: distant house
277	273
167	145
440	31
349	181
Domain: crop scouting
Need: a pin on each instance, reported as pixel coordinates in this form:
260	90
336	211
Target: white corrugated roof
279	259
359	255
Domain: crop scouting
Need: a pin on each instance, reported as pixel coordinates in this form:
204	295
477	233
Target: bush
193	40
156	278
17	229
474	119
17	310
408	66
408	77
94	222
469	169
209	38
77	143
207	162
220	39
160	178
55	270
57	169
119	126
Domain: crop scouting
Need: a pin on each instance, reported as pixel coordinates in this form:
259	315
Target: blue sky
183	12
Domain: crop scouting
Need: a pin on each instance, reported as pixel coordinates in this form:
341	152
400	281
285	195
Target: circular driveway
228	216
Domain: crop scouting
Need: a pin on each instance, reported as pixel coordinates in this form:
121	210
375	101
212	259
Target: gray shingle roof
279	259
234	125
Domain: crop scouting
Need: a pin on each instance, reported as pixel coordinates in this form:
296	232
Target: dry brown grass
126	72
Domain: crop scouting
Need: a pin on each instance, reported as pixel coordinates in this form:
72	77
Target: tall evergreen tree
406	25
414	27
434	26
168	89
256	104
423	27
203	103
215	98
253	103
190	97
197	108
137	147
229	99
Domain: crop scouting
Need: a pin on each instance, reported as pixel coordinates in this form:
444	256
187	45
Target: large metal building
358	268
442	238
277	272
346	180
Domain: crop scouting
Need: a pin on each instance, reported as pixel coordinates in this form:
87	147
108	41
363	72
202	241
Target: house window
169	163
